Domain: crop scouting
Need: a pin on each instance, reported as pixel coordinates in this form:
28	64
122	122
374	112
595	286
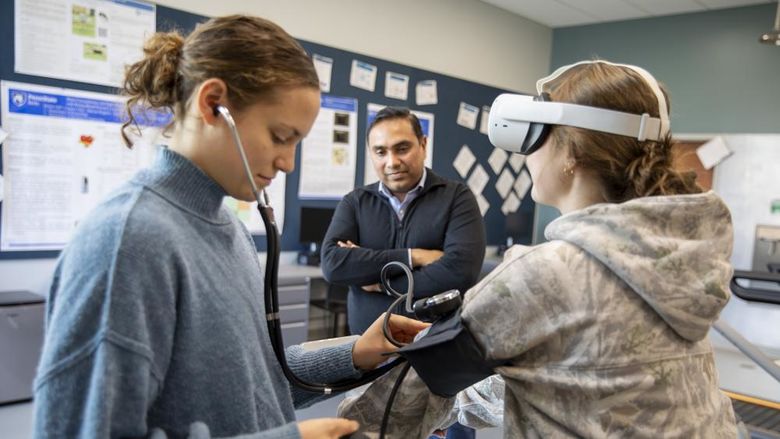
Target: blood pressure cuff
448	358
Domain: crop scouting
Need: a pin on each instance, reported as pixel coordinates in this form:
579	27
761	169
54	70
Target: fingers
347	244
341	427
405	324
327	428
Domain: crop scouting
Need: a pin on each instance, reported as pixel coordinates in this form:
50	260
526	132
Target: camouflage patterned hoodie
605	326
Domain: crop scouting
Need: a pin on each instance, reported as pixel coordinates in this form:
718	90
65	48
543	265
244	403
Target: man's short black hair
390	113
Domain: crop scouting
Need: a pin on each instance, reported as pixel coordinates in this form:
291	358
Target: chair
335	302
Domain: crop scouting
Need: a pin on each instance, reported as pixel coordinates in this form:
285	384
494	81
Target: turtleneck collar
178	180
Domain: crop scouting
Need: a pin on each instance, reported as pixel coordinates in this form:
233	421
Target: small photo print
341	119
83	21
338	156
95	52
340	136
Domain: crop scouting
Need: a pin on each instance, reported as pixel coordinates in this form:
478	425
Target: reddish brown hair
628	168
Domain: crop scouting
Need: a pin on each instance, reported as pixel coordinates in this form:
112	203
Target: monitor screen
314	223
519	226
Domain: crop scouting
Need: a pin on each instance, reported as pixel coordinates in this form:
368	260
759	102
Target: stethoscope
271	291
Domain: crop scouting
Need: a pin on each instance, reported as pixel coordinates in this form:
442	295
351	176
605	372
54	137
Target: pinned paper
516	161
363	75
3	135
497	159
324	67
483	203
483	123
396	86
426	93
713	152
467	115
504	183
478	179
511	204
463	161
522	184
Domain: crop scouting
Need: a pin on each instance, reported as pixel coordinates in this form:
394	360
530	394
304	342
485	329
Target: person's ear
424	142
211	93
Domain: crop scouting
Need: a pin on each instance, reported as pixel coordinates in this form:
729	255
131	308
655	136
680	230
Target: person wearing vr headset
156	323
602	331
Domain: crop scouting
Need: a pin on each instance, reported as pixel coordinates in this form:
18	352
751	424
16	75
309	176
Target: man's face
397	154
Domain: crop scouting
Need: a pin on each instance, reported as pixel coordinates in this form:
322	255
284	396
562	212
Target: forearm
358	266
323	366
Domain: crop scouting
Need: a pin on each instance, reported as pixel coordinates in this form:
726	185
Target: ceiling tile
548	12
668	7
720	4
606	10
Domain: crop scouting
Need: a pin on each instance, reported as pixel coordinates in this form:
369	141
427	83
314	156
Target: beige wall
466	39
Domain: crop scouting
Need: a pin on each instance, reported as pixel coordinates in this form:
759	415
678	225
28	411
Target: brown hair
252	55
628	168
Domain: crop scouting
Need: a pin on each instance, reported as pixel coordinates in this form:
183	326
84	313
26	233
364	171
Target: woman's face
546	166
269	131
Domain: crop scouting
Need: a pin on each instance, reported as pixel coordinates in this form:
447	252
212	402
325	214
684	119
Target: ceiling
561	13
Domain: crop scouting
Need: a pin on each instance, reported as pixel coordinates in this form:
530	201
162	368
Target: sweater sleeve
464	251
327	365
353	266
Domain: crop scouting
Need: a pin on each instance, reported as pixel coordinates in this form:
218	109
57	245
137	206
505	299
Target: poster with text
81	40
63	155
328	153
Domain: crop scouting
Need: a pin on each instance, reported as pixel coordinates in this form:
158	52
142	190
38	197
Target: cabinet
294	292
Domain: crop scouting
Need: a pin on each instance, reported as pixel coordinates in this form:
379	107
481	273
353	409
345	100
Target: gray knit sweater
155	320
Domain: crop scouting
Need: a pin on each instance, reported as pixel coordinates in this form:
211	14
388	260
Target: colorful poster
81	40
328	162
63	155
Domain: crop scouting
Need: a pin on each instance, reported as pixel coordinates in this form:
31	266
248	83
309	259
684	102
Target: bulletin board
449	135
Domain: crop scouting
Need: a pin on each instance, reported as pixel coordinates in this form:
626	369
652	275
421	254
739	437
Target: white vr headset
520	123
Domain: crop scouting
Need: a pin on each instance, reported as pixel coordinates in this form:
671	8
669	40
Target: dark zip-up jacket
445	216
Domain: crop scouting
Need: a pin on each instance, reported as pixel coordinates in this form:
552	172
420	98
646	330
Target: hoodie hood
673	251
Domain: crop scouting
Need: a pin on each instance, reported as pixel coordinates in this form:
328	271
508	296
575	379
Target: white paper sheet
511	204
324	67
516	161
497	160
463	161
467	115
248	214
396	86
427	125
504	183
483	122
3	135
328	153
478	179
483	203
363	75
64	156
522	184
713	152
81	40
426	92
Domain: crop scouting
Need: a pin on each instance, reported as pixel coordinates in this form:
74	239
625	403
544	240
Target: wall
462	38
720	79
466	39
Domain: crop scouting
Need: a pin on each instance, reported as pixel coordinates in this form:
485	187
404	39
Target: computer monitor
314	224
519	227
